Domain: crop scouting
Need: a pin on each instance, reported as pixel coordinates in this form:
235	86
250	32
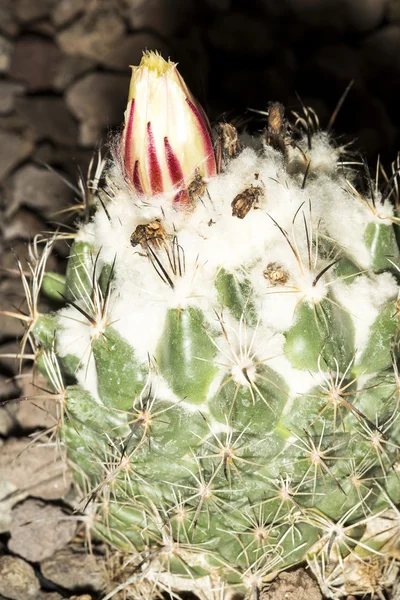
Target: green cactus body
231	385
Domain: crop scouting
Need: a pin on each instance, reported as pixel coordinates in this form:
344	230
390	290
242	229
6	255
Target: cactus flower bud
166	140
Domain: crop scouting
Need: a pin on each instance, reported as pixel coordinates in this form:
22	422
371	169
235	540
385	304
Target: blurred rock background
63	84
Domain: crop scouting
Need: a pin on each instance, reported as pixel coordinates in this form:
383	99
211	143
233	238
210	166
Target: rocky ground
63	86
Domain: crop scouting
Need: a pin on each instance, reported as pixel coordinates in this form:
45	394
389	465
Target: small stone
382	49
8	389
8	262
17	579
6	49
43	27
8	23
94	35
364	15
8	497
329	16
83	597
23	225
40	189
35	61
8	410
73	568
66	10
164	16
48	596
8	92
9	356
62	158
14	148
98	101
28	10
50	118
70	68
294	585
38	530
241	34
393	13
129	50
10	327
37	470
36	409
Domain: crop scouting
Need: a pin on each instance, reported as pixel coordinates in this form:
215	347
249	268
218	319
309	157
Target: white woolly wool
75	337
362	299
324	156
281	228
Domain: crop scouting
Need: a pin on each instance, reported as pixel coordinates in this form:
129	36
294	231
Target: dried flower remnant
276	274
245	201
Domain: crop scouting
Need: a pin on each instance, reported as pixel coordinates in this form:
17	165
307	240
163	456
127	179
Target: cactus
225	362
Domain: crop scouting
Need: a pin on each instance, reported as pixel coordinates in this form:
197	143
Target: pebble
8	410
6	50
60	157
17	579
94	35
294	585
163	16
38	188
8	497
8	389
35	61
35	412
382	50
14	148
8	22
36	470
31	10
73	568
129	50
10	362
66	10
8	92
393	11
11	294
24	225
49	117
98	100
38	530
70	69
242	34
365	15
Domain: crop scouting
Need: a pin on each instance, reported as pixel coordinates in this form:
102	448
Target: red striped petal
156	182
128	141
174	166
181	199
175	172
210	158
136	179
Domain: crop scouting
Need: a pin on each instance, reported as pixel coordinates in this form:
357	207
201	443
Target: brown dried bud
152	232
276	118
276	130
197	187
245	201
276	274
229	139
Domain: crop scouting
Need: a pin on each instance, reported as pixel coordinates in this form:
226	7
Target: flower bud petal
166	139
